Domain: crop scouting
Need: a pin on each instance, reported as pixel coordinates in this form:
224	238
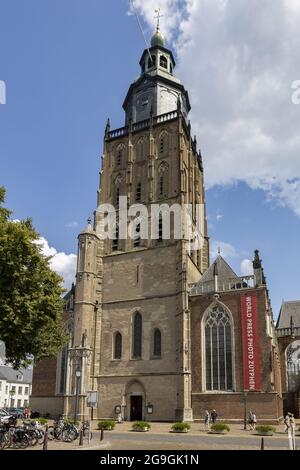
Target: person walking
254	420
250	420
213	416
287	422
206	419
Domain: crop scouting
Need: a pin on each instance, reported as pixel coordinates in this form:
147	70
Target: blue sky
67	66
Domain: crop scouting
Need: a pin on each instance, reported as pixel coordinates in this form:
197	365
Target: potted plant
106	425
219	428
265	430
141	426
181	427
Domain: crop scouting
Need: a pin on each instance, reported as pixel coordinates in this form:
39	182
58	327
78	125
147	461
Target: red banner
250	342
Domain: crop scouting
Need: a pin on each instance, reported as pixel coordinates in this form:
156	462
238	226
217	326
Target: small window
118	346
26	390
20	391
19	402
163	62
138	195
137	236
157	343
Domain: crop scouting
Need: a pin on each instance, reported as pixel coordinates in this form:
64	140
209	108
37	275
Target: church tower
132	317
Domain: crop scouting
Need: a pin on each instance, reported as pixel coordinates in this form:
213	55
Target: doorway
136	408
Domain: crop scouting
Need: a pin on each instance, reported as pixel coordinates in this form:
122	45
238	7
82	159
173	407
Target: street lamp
78	375
245	395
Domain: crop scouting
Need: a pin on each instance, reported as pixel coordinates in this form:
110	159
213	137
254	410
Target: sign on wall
250	342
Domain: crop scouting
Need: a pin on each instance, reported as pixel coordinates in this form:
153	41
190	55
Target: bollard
262	445
45	443
102	435
81	438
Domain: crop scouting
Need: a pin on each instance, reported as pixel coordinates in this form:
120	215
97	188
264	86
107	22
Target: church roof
219	268
289	310
11	375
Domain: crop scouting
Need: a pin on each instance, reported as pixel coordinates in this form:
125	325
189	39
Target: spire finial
219	250
158	17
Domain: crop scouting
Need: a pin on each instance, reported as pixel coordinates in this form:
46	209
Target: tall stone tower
132	319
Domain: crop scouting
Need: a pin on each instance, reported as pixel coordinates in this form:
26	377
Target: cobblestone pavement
160	438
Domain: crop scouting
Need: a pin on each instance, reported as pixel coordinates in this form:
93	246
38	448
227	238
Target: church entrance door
136	408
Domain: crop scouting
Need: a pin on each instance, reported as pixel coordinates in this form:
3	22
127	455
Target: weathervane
158	17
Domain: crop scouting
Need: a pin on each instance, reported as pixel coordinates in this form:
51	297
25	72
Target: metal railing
138	126
243	282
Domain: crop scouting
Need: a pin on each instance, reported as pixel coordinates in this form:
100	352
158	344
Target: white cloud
72	224
226	250
63	264
238	59
247	267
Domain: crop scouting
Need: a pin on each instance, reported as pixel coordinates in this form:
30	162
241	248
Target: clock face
168	100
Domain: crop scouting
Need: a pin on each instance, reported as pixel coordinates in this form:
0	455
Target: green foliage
220	427
265	428
31	302
106	424
140	425
181	427
72	421
41	421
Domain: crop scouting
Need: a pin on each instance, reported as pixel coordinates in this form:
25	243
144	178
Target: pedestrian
287	422
213	416
250	420
206	419
26	411
254	420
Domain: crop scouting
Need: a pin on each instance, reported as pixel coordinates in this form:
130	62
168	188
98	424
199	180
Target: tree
31	301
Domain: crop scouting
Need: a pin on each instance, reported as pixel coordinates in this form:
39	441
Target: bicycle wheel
41	437
51	434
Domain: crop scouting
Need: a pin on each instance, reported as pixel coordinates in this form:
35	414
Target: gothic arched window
218	350
157	343
118	346
115	242
138	194
163	176
137	236
120	153
140	150
293	366
163	143
163	62
137	336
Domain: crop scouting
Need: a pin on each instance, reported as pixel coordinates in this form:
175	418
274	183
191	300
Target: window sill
155	358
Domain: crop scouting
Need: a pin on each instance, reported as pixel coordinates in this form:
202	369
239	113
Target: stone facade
135	333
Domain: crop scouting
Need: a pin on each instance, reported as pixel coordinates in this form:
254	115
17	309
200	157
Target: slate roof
288	310
10	375
222	269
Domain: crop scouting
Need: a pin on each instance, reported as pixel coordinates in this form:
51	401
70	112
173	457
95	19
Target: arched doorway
135	400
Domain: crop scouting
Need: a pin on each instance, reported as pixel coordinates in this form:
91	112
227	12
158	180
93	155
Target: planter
141	429
268	433
183	431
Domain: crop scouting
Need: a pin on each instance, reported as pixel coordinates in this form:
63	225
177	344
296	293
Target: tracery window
218	350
